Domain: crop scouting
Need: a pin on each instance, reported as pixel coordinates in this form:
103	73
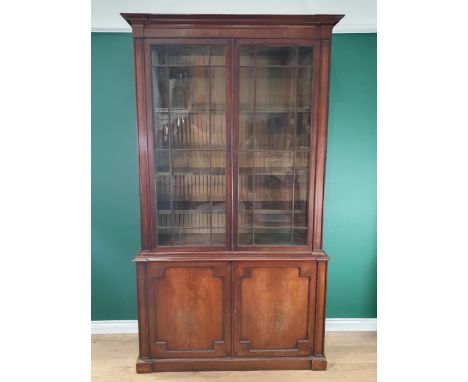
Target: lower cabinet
236	315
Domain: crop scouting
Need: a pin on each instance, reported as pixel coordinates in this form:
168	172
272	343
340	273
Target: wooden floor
351	358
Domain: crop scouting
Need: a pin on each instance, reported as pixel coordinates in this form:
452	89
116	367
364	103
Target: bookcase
232	126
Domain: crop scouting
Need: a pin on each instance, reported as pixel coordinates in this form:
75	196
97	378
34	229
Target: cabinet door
189	309
189	143
274	117
274	308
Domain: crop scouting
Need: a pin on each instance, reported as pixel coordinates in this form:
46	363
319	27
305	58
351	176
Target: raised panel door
274	308
189	307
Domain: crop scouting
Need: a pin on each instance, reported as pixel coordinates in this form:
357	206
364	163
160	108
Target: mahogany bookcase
232	129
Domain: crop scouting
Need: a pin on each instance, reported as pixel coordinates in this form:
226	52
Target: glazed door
273	119
189	309
274	308
189	142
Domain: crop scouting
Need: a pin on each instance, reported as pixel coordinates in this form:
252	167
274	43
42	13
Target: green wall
350	220
350	208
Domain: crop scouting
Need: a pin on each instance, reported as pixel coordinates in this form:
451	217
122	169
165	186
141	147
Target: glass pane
158	55
273	192
164	236
246	89
302	162
165	219
299	237
218	163
304	88
218	181
272	219
191	162
190	192
218	88
274	130
198	219
303	130
189	87
300	193
273	162
246	219
161	130
160	89
218	130
217	55
189	130
164	216
187	55
245	236
162	161
246	131
246	55
189	122
246	162
276	55
274	143
188	236
300	219
218	236
272	236
163	187
305	56
218	220
275	89
245	180
245	192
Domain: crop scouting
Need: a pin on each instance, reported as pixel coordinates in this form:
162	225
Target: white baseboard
351	324
331	325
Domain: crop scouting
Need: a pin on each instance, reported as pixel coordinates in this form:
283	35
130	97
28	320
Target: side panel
274	308
189	307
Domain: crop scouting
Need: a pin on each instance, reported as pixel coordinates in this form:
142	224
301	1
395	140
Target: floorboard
351	358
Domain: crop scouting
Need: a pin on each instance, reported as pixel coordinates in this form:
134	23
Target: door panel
189	142
274	308
189	309
273	125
